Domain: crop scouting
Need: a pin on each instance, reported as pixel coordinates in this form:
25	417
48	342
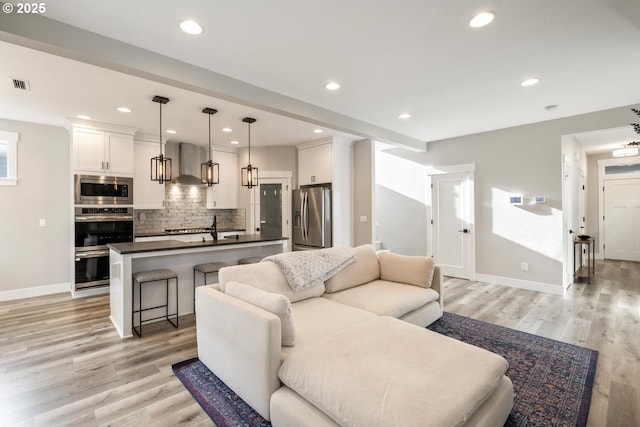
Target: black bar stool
143	277
205	269
250	260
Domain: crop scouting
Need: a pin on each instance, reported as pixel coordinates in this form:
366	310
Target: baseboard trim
35	291
521	284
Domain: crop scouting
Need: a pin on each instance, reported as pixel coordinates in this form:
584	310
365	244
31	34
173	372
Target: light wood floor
62	363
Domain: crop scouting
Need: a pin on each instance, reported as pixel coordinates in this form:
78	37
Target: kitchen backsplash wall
185	207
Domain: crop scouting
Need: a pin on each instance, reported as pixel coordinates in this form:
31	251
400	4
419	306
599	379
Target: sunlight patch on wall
538	230
400	175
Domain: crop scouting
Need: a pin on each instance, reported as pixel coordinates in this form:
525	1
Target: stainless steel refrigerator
311	218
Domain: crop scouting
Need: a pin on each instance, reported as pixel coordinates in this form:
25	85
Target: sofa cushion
385	372
385	298
364	269
268	277
274	303
414	270
319	317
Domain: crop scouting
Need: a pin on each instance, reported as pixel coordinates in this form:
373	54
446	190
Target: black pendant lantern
161	165
249	174
210	171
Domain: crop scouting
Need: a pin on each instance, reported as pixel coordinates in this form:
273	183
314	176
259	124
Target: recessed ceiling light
83	117
404	116
191	27
124	109
171	131
234	142
226	129
332	86
481	19
530	82
317	131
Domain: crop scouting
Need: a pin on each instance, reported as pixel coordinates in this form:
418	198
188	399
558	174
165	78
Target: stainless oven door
92	268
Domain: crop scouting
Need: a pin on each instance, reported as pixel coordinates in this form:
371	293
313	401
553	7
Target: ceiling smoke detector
20	84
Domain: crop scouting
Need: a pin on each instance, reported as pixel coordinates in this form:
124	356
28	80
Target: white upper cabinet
225	194
315	164
102	151
147	194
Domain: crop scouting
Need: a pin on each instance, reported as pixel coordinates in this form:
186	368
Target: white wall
522	160
363	192
35	260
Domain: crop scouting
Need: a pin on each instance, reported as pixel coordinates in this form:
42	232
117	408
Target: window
8	158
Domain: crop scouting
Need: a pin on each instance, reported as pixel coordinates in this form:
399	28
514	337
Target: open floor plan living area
64	364
362	213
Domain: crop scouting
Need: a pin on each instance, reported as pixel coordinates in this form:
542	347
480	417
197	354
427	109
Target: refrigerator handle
305	216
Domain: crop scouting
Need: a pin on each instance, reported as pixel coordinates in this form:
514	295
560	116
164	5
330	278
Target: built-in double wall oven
97	225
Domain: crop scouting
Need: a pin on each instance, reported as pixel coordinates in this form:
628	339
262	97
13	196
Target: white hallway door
622	219
452	225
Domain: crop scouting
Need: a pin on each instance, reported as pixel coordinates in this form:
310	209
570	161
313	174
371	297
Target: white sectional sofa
355	351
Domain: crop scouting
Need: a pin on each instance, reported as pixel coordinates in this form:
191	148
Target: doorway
270	208
619	205
452	222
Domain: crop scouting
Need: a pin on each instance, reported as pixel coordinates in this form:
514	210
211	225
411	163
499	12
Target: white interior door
622	219
452	224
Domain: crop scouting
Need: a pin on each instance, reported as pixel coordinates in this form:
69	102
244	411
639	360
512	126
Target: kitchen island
128	258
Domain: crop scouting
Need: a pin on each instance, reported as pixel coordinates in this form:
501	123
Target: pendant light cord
249	143
210	153
160	103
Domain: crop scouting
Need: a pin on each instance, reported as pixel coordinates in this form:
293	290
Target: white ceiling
416	56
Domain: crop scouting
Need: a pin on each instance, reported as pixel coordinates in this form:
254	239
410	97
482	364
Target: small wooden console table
591	256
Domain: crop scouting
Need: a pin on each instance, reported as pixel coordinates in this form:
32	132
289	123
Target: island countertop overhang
168	245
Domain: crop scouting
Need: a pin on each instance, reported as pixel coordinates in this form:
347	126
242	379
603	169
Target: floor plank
62	362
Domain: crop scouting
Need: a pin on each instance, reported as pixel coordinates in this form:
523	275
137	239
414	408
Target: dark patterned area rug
552	380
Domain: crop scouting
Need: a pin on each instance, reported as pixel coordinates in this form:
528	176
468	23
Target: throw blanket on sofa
307	269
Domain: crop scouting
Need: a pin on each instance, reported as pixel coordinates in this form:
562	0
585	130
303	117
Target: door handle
464	230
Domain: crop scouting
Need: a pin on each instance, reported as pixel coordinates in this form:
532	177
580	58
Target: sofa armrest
438	286
241	344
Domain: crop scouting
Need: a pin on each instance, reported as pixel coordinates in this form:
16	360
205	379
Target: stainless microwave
103	190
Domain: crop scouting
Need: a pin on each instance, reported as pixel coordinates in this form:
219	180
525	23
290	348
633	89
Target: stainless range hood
189	159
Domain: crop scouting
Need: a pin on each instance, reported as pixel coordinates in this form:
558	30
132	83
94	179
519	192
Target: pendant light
160	165
210	171
249	173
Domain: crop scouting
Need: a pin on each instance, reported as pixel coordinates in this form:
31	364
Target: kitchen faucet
214	228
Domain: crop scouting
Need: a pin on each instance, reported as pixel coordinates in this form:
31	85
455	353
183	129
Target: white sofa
349	360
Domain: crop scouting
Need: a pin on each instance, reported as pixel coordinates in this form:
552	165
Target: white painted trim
11	138
284	177
521	284
602	163
106	127
85	293
35	291
469	169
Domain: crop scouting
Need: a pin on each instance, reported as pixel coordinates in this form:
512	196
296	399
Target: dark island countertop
167	245
181	233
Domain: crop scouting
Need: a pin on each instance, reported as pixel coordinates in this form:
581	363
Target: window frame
11	139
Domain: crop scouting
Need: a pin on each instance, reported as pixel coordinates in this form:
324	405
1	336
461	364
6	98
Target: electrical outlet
42	222
524	266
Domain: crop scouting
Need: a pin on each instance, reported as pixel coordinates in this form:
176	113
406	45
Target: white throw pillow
413	270
274	303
